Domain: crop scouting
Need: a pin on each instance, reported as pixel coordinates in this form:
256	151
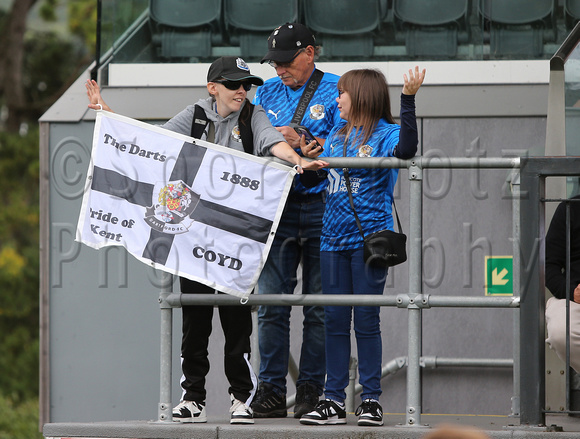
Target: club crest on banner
171	207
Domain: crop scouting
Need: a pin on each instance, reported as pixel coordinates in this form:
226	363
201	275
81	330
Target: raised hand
94	94
413	81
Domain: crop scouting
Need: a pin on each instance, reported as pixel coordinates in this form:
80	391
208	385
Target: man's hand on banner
96	102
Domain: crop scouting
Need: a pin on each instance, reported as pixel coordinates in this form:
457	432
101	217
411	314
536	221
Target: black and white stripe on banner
188	207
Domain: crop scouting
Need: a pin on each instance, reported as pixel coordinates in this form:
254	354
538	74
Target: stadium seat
572	13
344	27
432	27
518	27
250	22
184	29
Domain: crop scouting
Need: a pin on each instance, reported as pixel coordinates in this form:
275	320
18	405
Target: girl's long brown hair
370	102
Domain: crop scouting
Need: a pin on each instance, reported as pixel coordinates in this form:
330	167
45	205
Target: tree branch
12	61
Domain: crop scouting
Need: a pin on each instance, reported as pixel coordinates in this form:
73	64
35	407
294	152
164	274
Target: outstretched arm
96	101
285	152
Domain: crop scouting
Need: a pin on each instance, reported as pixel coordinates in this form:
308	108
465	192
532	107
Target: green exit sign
499	275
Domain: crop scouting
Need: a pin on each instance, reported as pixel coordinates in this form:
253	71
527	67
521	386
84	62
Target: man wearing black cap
301	95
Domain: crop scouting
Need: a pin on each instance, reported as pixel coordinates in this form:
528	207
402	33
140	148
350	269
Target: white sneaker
240	412
189	411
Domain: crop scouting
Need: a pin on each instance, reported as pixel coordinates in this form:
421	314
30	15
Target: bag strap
211	133
350	199
200	122
306	97
246	133
347	181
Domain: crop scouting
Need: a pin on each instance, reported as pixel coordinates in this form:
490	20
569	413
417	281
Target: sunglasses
285	65
234	85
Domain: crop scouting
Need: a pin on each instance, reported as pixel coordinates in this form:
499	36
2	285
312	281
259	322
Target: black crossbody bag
384	248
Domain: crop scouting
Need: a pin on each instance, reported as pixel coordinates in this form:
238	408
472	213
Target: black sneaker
269	402
326	412
370	413
306	399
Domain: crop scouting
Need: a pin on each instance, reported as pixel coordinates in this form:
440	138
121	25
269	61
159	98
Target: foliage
19	421
50	63
47	10
48	70
36	67
83	20
19	260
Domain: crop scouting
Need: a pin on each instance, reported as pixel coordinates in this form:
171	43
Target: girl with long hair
369	131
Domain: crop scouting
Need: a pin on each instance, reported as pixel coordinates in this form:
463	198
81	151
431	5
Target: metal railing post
164	409
516	261
351	390
415	326
532	301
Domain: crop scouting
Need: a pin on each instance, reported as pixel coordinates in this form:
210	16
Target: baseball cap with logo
285	41
232	68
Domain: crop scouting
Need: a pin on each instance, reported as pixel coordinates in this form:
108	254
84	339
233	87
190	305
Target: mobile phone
308	136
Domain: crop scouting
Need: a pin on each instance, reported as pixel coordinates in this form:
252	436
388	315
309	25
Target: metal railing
414	301
533	174
569	297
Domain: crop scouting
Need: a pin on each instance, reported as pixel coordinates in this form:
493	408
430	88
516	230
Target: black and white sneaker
240	412
370	413
189	411
326	412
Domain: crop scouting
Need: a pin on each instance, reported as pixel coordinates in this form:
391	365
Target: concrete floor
557	427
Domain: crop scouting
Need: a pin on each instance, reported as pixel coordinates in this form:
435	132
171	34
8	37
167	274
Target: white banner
182	205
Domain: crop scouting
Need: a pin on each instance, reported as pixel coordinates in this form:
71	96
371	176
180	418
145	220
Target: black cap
286	40
232	68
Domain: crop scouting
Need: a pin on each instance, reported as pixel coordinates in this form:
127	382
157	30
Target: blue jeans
297	240
344	272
